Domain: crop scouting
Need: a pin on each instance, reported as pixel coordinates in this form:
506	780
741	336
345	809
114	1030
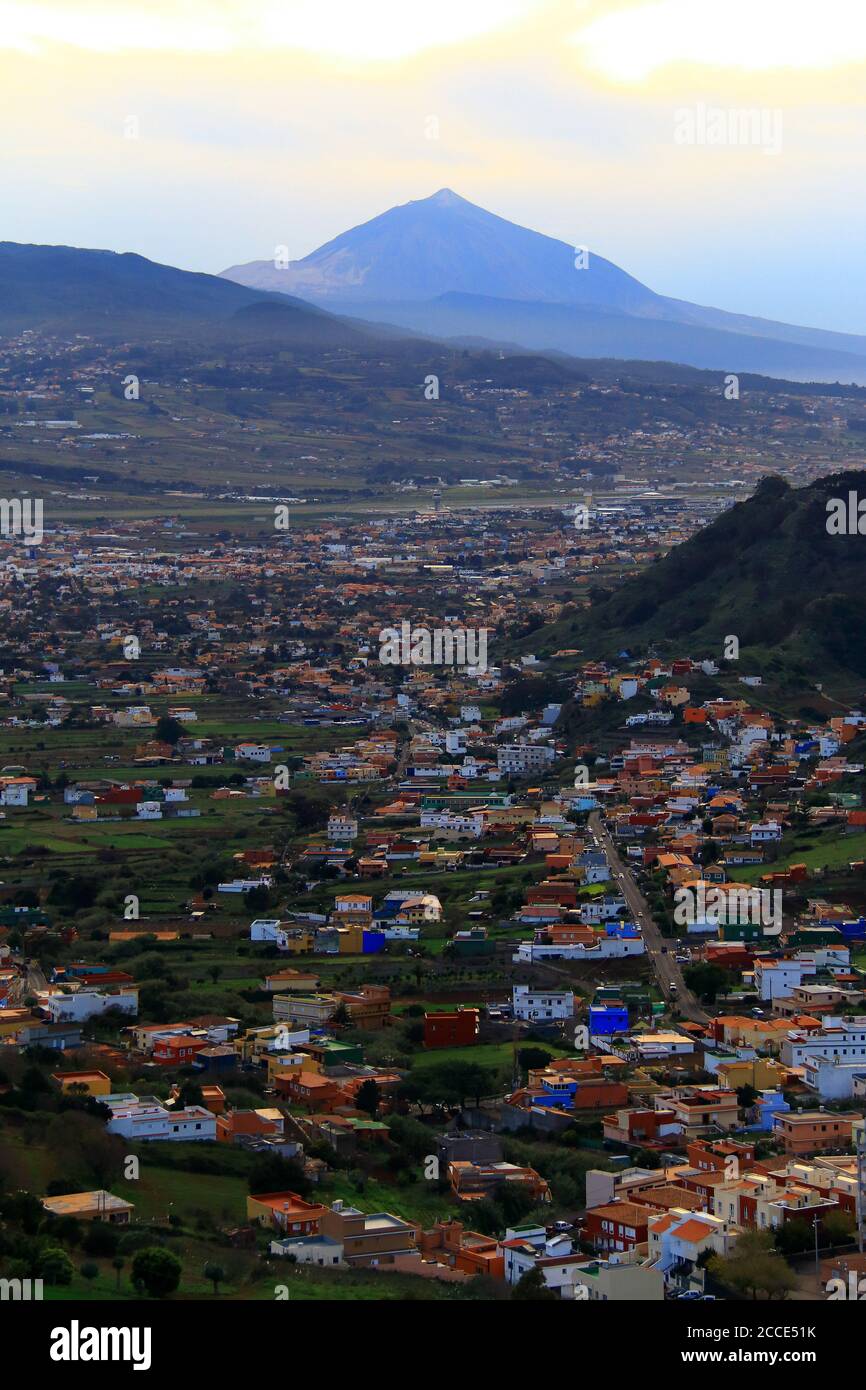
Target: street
664	964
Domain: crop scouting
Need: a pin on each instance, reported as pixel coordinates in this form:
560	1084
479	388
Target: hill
107	293
766	571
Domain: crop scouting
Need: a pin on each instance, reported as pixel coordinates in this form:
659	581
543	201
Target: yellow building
761	1073
351	939
91	1083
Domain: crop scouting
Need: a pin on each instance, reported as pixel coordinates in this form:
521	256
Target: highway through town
661	953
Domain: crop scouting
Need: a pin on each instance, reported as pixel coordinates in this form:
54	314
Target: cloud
631	42
356	30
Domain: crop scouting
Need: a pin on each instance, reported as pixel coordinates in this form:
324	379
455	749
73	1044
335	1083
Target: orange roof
695	1230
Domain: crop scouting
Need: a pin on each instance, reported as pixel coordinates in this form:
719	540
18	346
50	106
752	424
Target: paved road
663	962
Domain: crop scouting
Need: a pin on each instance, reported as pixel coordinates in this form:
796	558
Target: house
178	1050
232	1125
658	1045
142	1118
342	827
608	1281
91	1083
91	1206
642	1127
310	1250
619	1225
844	1040
814	1131
451	1029
517	759
678	1238
368	1240
286	1211
530	1247
472	1181
451	1244
536	1005
88	1003
765	833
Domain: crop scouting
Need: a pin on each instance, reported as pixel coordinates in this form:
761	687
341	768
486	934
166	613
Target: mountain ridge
90	290
398	266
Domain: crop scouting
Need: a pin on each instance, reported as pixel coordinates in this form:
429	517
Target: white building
542	1005
310	1250
88	1003
832	1078
775	979
519	758
452	821
660	1045
244	885
253	752
765	833
843	1039
269	929
601	910
342	827
606	948
144	1117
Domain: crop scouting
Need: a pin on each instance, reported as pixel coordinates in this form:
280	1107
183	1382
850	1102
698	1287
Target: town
330	974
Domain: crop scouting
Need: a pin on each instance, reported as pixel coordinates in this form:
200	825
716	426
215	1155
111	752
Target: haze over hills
441	265
70	288
766	571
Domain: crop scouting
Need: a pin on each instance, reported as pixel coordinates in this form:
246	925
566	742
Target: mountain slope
595	331
441	244
443	265
766	571
98	291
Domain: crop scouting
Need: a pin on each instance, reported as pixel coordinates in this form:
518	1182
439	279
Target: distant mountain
65	287
767	571
443	265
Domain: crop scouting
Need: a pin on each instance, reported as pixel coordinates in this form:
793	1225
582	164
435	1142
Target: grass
416	1202
830	852
484	1054
160	1191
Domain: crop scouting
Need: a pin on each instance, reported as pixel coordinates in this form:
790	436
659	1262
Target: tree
706	981
157	1271
754	1268
532	1287
273	1173
216	1274
794	1237
168	730
89	1270
368	1097
190	1094
55	1266
838	1227
101	1239
532	1058
117	1265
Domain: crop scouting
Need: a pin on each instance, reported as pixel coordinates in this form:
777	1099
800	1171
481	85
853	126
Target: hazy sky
207	132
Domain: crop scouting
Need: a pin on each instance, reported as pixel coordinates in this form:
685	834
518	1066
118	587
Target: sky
717	151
